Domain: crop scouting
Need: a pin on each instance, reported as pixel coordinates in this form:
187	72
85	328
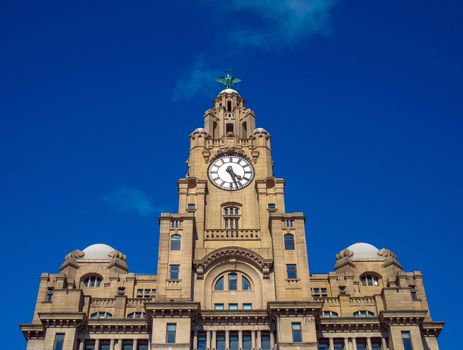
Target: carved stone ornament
75	254
386	253
117	255
346	253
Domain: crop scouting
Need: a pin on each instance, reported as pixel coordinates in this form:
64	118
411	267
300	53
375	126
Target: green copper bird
228	80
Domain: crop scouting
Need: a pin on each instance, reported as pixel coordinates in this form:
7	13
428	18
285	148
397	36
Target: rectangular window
171	331
50	293
289	223
59	341
139	293
142	344
174	272
233	341
202	341
407	341
175	224
89	345
247	306
323	344
413	292
247	341
324	293
232	281
191	206
104	344
291	271
297	334
220	341
233	306
376	344
272	206
127	345
121	291
361	343
218	306
339	344
265	340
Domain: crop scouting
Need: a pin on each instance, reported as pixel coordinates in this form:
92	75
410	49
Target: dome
97	251
199	130
228	91
364	251
260	130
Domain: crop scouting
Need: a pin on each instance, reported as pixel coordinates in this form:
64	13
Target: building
233	270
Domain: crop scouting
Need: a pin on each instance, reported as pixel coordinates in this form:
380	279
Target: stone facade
233	271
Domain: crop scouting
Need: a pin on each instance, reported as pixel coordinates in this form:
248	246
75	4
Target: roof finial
228	80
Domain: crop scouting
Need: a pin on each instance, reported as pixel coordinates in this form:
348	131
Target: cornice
282	309
399	317
350	324
32	331
432	328
62	319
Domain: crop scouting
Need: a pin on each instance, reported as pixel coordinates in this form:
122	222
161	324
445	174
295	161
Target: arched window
289	241
136	315
363	314
92	281
229	106
231	217
245	283
219	284
175	242
101	314
330	314
369	279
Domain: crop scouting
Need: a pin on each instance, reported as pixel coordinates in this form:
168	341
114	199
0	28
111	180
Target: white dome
364	251
228	91
97	251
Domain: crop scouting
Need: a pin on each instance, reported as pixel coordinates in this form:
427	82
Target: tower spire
228	79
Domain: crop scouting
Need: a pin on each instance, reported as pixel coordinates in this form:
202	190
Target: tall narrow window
89	345
361	343
247	341
220	341
174	271
105	344
246	283
142	344
291	271
229	128
202	341
232	281
171	333
369	279
375	344
219	284
59	341
323	344
231	217
407	340
296	330
233	341
229	106
92	281
413	292
50	291
175	242
127	344
289	241
339	344
265	340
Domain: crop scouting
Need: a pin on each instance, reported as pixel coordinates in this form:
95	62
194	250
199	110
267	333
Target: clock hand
233	175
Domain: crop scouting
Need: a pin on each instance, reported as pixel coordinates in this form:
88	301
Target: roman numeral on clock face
231	172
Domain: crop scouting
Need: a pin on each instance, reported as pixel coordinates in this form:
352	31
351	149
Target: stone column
135	343
346	344
81	344
331	343
97	344
354	344
195	340
213	340
383	343
240	340
368	343
253	340
258	340
111	344
227	339
208	340
272	340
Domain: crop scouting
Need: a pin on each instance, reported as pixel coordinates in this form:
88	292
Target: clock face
231	172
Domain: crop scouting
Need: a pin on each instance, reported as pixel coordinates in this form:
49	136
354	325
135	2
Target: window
364	314
50	291
89	345
233	341
136	315
218	306
406	340
202	341
175	223
92	281
338	344
247	306
289	223
369	279
174	272
291	271
142	344
271	206
232	281
175	242
104	344
247	341
171	333
413	292
323	344
101	315
233	306
229	128
376	344
361	343
229	106
297	334
289	241
342	289
220	341
319	292
59	341
127	345
246	283
191	206
219	284
265	340
121	291
231	217
330	314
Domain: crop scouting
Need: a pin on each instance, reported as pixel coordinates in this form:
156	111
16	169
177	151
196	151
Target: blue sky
363	100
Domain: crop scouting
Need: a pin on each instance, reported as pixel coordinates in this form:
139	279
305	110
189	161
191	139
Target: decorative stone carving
386	253
117	255
75	254
346	253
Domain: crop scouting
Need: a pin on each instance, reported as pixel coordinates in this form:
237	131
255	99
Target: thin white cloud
276	22
198	80
126	199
